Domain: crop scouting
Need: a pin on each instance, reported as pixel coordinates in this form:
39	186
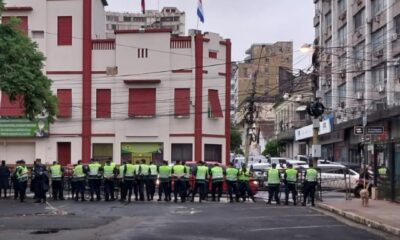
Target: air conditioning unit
343	74
377	18
342	16
394	36
359	95
112	71
358	33
359	65
342	105
381	88
378	53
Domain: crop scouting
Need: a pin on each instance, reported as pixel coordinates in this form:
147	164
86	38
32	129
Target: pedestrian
232	175
201	173
152	180
79	176
217	177
4	178
136	189
274	182
21	174
144	172
57	177
244	185
122	183
109	172
291	179
129	179
178	173
94	179
310	182
41	181
164	182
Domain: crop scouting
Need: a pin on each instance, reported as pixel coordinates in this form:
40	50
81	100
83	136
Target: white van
333	177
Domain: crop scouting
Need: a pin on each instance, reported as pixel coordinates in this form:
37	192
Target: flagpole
197	24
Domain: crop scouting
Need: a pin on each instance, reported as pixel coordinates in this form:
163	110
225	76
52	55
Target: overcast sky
244	21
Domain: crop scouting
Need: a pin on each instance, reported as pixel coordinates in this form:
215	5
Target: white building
168	17
144	95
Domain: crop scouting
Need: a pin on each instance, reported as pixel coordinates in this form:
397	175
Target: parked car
338	177
298	164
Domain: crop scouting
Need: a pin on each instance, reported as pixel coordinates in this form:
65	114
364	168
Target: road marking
297	227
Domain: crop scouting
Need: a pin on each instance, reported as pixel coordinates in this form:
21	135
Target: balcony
316	20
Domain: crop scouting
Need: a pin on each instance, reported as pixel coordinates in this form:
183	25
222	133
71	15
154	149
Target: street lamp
307	48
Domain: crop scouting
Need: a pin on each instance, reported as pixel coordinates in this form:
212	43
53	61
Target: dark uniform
144	172
21	174
274	181
291	179
152	180
109	172
94	179
201	174
231	175
41	182
79	177
4	178
129	179
217	177
165	182
57	177
310	183
178	172
244	185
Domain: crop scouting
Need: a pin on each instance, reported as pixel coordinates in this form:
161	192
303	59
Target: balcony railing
181	42
103	44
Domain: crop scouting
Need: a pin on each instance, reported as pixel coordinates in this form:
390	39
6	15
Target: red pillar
228	73
198	121
87	81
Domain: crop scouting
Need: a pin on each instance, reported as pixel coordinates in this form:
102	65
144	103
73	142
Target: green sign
24	128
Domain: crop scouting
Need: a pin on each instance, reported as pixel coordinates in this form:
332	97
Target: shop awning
301	108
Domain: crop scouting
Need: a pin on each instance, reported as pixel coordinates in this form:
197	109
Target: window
359	19
342	62
23	25
378	38
64	103
342	94
64	32
397	24
113	18
113	26
182	102
212	54
143	53
328	20
359	54
11	108
176	19
139	19
102	151
379	75
342	36
181	152
142	102
328	99
342	6
213	153
302	115
214	105
377	6
127	19
359	84
103	103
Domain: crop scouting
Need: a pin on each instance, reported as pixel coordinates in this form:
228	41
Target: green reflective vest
56	173
179	170
164	172
78	172
244	176
136	168
94	169
382	171
201	173
217	174
232	174
312	175
108	171
291	175
121	170
273	176
130	171
22	173
153	170
144	169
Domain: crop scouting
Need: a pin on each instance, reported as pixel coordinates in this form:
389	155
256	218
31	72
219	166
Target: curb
360	219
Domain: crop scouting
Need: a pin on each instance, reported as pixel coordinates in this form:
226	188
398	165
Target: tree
271	148
21	73
236	140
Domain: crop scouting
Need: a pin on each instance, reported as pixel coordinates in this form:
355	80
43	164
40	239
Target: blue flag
200	12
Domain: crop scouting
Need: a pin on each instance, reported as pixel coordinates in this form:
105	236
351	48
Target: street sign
375	130
358	130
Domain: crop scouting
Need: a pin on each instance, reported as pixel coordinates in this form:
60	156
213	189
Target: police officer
274	181
122	184
165	181
79	177
72	180
57	175
144	172
94	179
201	173
310	182
178	173
382	172
129	179
21	174
152	180
136	181
109	172
41	181
231	175
290	179
4	178
244	185
186	178
217	177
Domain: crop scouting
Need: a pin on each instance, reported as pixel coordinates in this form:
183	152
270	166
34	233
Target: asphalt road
219	221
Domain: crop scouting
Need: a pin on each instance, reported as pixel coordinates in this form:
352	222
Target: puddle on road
49	231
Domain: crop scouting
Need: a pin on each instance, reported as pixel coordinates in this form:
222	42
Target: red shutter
182	102
64	33
23	25
142	102
215	105
103	103
64	153
64	103
11	109
212	54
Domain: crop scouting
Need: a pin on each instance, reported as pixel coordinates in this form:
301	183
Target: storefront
303	135
133	152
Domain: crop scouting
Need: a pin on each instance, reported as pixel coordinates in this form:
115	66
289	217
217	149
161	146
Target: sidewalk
381	215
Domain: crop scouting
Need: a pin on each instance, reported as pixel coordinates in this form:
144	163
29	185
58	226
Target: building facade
359	48
145	94
167	18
